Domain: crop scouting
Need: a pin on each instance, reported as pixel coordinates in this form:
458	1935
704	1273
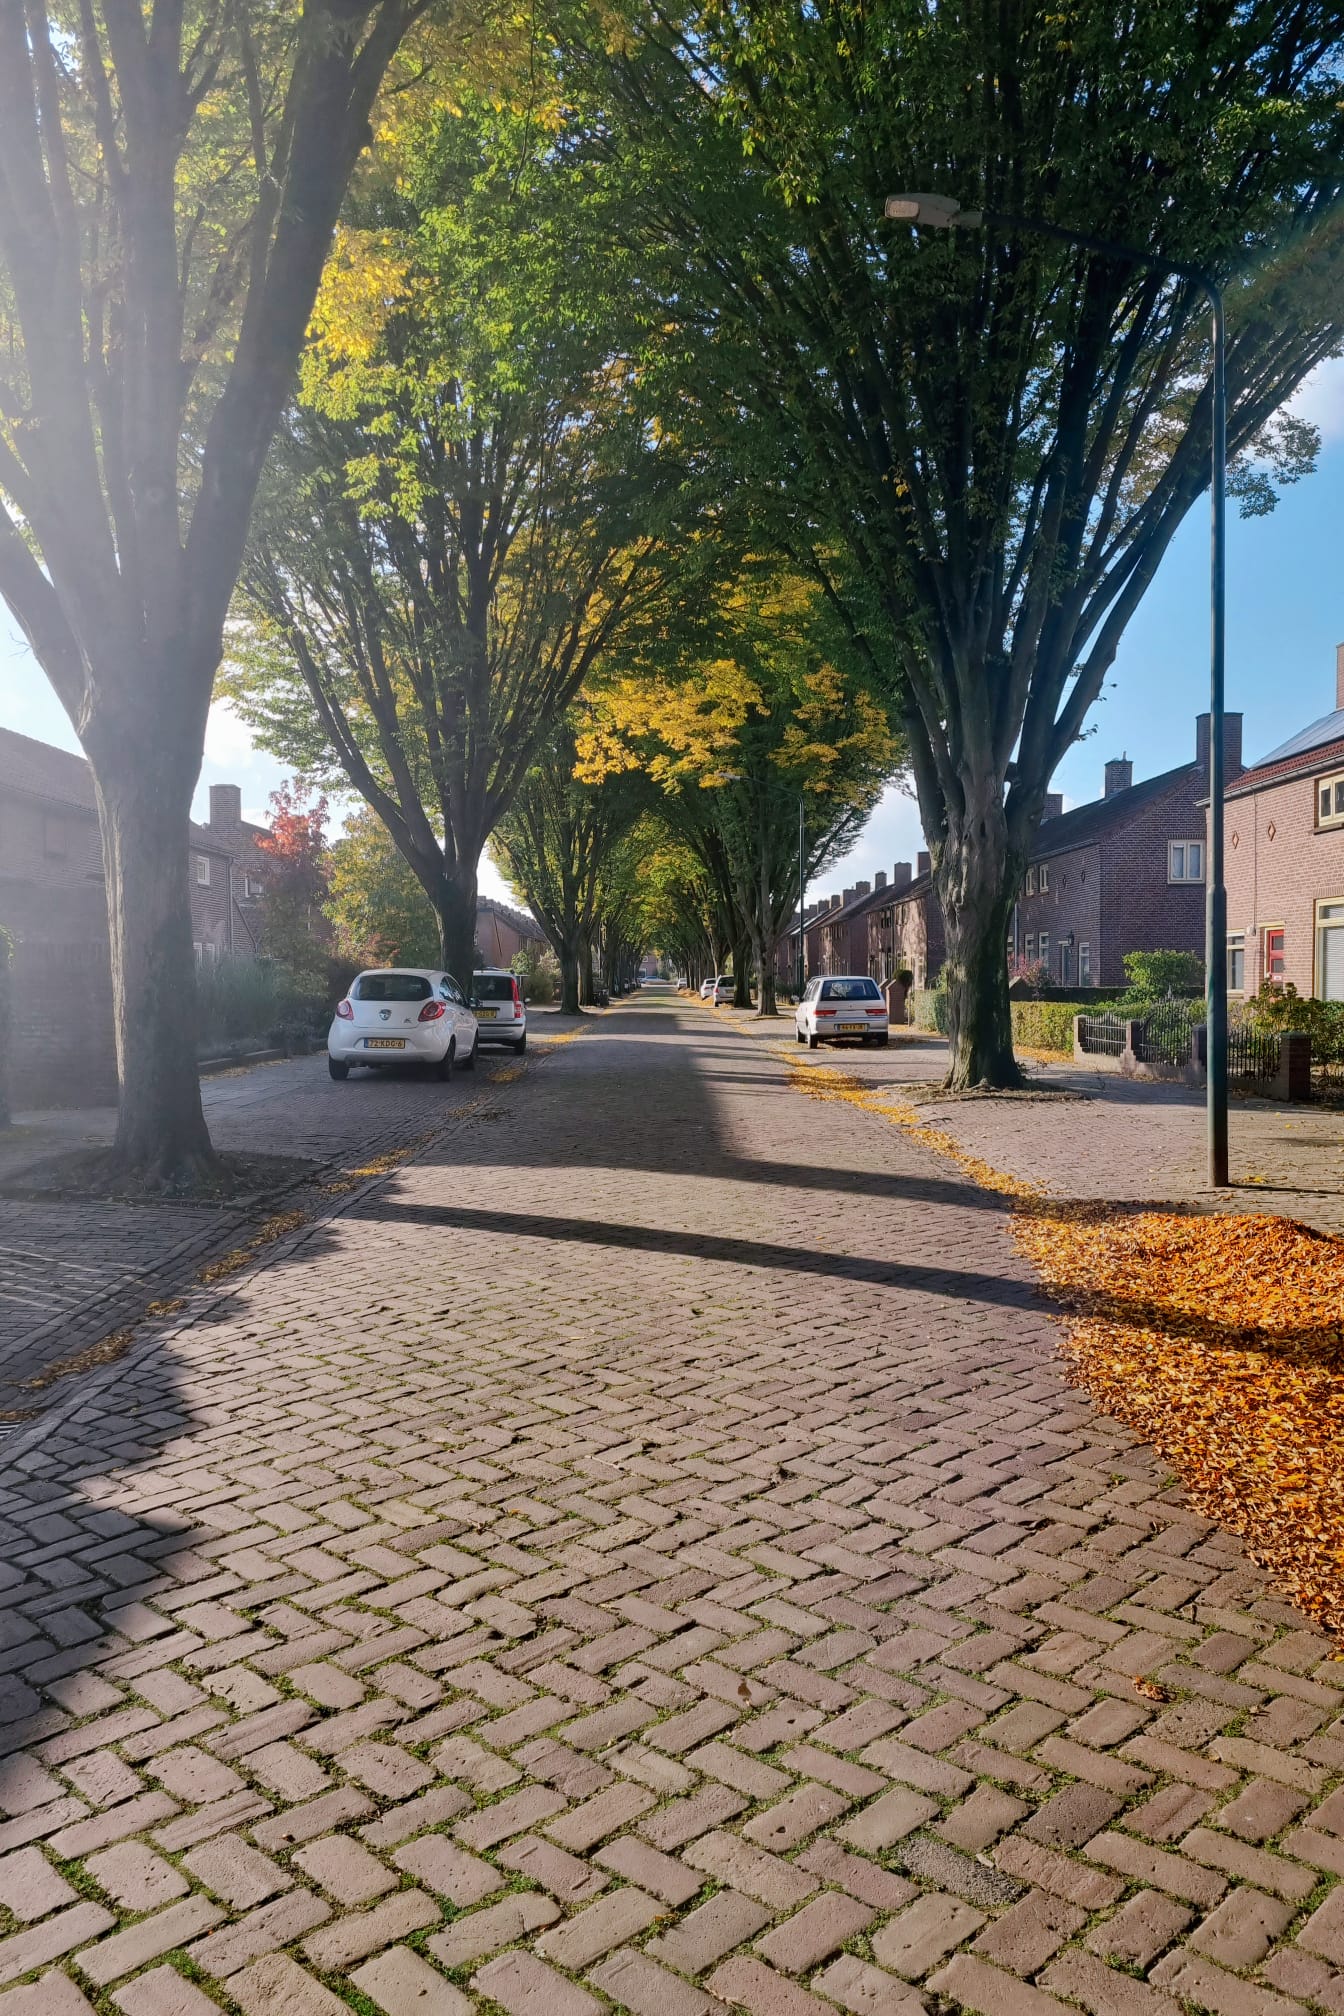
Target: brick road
643	1556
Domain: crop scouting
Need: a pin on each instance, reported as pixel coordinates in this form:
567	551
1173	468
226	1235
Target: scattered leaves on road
1220	1340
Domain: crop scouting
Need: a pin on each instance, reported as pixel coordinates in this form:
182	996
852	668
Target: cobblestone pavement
72	1271
642	1555
1130	1140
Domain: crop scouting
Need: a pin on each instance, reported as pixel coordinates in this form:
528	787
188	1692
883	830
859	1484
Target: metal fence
1251	1052
1163	1036
1101	1035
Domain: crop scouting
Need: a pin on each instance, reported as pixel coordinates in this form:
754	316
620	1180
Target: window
1330	800
1043	948
202	871
1031	881
1236	962
209	952
391	987
54	839
849	990
1063	962
1185	861
1085	964
197	951
1275	966
1330	950
251	886
1045	880
1029	947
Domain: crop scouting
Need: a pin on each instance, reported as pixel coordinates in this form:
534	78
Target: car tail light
877	1011
825	1011
345	1011
431	1011
517	998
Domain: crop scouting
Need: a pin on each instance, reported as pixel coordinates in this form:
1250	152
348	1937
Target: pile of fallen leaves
1220	1341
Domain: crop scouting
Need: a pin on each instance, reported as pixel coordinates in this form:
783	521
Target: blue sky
1285	616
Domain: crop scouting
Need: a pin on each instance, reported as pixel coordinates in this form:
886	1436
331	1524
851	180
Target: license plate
384	1042
486	1014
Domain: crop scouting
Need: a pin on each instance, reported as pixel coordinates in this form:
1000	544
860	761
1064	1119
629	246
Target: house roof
1319	746
1086	823
519	919
59	777
39	771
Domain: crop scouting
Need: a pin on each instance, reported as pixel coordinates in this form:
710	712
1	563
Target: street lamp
944	213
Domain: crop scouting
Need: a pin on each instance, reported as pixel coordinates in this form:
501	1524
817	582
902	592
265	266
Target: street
641	1553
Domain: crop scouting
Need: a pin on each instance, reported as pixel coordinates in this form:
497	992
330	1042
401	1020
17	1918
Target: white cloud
1321	399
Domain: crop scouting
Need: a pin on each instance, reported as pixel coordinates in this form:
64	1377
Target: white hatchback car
402	1015
498	1005
841	1006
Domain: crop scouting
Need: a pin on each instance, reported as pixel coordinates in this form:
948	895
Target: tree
169	181
741	745
295	930
999	433
379	912
556	839
469	507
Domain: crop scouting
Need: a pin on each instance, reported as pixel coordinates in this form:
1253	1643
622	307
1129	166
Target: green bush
1047	1025
927	1009
254	1001
1273	1012
1152	976
537	972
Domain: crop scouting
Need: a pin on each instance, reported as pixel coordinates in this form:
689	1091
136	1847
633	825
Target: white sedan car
402	1015
841	1007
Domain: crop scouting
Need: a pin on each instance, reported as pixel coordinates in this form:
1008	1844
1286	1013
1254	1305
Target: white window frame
1029	948
1334	784
1184	848
202	871
1043	950
1044	879
1085	962
1320	927
1236	948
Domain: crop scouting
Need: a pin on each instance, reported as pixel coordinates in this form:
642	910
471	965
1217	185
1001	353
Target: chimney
1054	805
1339	675
863	888
226	805
849	894
1119	776
834	902
880	879
923	865
1232	763
900	875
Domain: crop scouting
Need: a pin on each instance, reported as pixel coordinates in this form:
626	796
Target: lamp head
944	213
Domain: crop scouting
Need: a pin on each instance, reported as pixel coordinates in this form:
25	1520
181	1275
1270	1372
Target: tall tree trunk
587	991
569	979
767	1002
742	971
145	783
456	906
976	879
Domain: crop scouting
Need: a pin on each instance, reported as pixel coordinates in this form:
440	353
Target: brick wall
1141	910
1069	910
1278	867
62	1047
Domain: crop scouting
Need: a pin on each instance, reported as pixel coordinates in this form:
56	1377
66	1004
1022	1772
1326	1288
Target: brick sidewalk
645	1557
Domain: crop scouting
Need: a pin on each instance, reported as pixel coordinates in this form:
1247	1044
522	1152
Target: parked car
725	987
707	988
841	1007
402	1015
498	1005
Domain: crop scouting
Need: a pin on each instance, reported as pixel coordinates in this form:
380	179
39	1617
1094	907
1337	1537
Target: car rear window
493	987
392	987
850	990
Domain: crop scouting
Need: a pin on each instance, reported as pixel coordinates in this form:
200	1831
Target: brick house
1285	862
502	933
53	902
905	927
1123	874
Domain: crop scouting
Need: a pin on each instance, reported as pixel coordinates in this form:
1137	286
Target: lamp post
944	213
802	897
